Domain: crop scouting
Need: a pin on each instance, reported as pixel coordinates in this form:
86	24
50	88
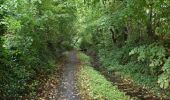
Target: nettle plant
154	56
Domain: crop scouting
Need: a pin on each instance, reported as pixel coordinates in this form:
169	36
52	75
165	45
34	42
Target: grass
94	86
132	70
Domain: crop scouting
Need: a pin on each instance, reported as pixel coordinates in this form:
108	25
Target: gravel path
67	88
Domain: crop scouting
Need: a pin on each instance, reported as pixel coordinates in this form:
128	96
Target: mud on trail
67	88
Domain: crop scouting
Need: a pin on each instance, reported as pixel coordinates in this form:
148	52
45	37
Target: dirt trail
67	88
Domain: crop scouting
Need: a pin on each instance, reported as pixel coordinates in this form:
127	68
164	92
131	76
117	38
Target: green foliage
12	24
86	41
119	61
164	78
130	36
33	34
84	58
96	85
16	42
153	54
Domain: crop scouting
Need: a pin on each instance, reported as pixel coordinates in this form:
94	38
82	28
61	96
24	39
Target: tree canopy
131	35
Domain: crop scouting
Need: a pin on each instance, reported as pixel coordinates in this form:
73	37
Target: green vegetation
33	34
133	69
131	37
93	85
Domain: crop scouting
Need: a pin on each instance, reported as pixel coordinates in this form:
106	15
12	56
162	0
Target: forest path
67	88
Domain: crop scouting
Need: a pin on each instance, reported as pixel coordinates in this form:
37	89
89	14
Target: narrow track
67	88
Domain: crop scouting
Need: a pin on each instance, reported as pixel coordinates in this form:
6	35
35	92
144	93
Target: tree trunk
150	31
113	35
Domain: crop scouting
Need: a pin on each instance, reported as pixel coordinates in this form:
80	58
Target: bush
164	78
153	54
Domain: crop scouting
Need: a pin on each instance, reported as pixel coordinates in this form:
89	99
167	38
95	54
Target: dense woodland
130	37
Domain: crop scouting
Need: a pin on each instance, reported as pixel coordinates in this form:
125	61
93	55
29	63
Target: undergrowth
93	85
119	61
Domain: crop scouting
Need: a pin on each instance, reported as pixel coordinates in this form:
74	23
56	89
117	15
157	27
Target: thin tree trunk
113	36
150	30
